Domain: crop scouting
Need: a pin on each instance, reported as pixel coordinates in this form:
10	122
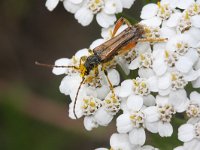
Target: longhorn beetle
105	52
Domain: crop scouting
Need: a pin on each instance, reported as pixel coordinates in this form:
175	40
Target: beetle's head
90	63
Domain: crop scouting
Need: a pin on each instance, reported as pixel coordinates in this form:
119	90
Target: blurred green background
33	113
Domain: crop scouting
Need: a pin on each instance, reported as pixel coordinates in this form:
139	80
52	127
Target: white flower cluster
85	10
149	101
122	142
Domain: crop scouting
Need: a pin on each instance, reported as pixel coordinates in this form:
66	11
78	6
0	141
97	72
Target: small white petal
113	6
89	123
120	141
195	20
191	76
102	117
137	136
153	84
149	100
159	49
71	7
183	106
61	62
126	88
159	66
165	91
143	47
114	76
174	19
78	109
162	100
196	83
165	129
178	99
183	65
186	132
127	3
149	11
151	114
123	64
195	97
192	145
84	16
147	73
152	127
102	91
97	43
167	32
171	3
179	148
134	102
164	82
192	55
81	53
153	22
75	1
69	83
134	64
105	20
124	123
183	4
197	65
194	33
101	148
51	4
193	120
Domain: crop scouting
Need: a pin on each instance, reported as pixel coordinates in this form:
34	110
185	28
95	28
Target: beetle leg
126	48
119	23
109	82
152	40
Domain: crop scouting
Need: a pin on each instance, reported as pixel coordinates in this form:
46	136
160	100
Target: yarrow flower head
162	66
85	10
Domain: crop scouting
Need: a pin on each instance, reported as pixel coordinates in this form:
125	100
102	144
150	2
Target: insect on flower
104	53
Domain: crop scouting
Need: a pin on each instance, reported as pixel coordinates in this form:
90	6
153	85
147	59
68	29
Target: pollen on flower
82	70
137	119
112	104
90	105
95	5
185	22
140	87
166	112
178	81
193	110
181	48
170	58
145	60
151	32
93	81
130	56
164	11
194	9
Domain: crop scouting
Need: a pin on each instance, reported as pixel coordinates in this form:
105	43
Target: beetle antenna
52	66
83	79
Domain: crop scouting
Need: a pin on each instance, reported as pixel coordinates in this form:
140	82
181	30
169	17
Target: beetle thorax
91	62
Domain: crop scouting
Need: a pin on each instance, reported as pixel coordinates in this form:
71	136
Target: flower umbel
155	78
